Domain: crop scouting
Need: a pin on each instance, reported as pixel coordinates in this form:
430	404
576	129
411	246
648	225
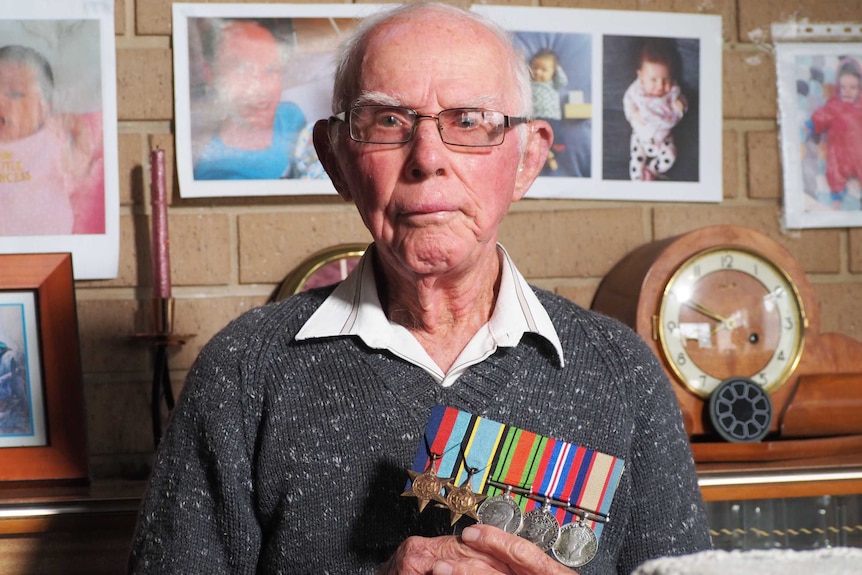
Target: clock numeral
680	359
727	261
671	326
763	377
788	323
778	291
781	355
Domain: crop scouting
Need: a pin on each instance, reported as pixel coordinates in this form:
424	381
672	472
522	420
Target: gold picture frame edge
294	281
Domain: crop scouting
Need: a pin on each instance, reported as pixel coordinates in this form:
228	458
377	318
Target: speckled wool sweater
290	457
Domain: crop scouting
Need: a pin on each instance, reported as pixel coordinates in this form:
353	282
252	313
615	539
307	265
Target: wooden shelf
74	530
808	477
41	509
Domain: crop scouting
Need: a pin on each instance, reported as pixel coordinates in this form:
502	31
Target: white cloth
354	309
829	561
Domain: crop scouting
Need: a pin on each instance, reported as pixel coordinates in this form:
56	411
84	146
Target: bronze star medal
463	500
426	486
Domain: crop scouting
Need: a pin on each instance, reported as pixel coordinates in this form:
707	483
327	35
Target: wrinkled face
22	111
433	208
248	74
848	88
543	68
655	79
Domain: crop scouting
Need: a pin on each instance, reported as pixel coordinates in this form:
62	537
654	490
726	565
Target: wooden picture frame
63	454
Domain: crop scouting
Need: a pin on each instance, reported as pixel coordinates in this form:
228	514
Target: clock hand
729	323
705	311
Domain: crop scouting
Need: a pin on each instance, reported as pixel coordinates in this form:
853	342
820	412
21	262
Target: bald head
361	48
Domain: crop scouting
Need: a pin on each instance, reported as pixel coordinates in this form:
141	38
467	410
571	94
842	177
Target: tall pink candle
161	243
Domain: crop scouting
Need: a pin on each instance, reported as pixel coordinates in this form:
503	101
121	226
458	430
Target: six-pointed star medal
426	486
463	500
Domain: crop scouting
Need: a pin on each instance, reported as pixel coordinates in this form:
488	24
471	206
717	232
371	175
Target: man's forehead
405	59
436	35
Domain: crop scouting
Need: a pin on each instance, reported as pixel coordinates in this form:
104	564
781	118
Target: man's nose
427	150
427	131
434	124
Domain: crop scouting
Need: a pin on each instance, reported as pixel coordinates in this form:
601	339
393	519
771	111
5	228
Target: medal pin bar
584	514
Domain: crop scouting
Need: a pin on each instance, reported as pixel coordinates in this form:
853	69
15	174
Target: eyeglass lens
458	126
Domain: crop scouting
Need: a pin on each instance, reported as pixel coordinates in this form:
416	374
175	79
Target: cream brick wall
228	255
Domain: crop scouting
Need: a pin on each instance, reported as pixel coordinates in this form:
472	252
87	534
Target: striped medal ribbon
576	484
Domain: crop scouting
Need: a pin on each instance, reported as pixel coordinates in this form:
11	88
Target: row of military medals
573	544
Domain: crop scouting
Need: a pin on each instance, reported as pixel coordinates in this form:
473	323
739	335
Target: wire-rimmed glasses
471	127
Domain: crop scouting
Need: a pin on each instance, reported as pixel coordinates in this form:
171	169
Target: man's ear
326	154
539	140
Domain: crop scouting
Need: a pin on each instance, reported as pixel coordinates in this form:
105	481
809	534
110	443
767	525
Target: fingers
480	550
437	555
416	555
521	556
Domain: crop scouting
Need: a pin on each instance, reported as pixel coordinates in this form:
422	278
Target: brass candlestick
161	338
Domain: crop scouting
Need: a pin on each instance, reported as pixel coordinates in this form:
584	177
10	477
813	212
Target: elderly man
288	450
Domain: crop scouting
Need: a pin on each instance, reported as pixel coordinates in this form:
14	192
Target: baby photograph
650	109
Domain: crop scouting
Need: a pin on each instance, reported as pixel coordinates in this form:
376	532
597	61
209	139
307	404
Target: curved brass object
298	279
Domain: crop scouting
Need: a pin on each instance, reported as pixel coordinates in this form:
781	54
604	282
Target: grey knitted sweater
290	457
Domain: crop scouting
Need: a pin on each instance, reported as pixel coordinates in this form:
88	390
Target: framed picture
614	140
243	70
22	406
217	89
820	114
42	425
59	183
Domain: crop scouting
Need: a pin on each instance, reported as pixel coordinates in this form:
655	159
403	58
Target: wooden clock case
818	408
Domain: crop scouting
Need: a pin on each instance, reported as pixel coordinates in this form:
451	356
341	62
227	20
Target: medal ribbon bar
578	482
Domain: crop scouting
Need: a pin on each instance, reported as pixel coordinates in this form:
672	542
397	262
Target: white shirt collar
353	309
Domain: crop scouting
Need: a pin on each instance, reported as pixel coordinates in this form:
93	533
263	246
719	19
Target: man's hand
480	550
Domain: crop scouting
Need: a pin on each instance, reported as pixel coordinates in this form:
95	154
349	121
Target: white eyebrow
372	98
482	102
377	99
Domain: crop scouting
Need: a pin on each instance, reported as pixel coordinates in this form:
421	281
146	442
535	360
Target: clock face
729	312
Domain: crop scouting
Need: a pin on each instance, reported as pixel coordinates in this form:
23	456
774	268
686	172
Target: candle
159	202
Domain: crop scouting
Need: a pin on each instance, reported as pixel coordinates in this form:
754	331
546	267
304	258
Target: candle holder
160	339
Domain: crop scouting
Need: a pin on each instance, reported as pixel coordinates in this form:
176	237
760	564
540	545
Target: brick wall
228	255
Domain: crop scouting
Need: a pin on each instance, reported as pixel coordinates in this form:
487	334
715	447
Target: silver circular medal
541	528
576	545
502	512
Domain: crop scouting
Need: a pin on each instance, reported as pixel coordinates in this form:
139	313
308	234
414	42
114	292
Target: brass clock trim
730	260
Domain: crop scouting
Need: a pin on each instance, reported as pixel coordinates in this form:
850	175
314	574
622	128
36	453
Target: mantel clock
716	304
